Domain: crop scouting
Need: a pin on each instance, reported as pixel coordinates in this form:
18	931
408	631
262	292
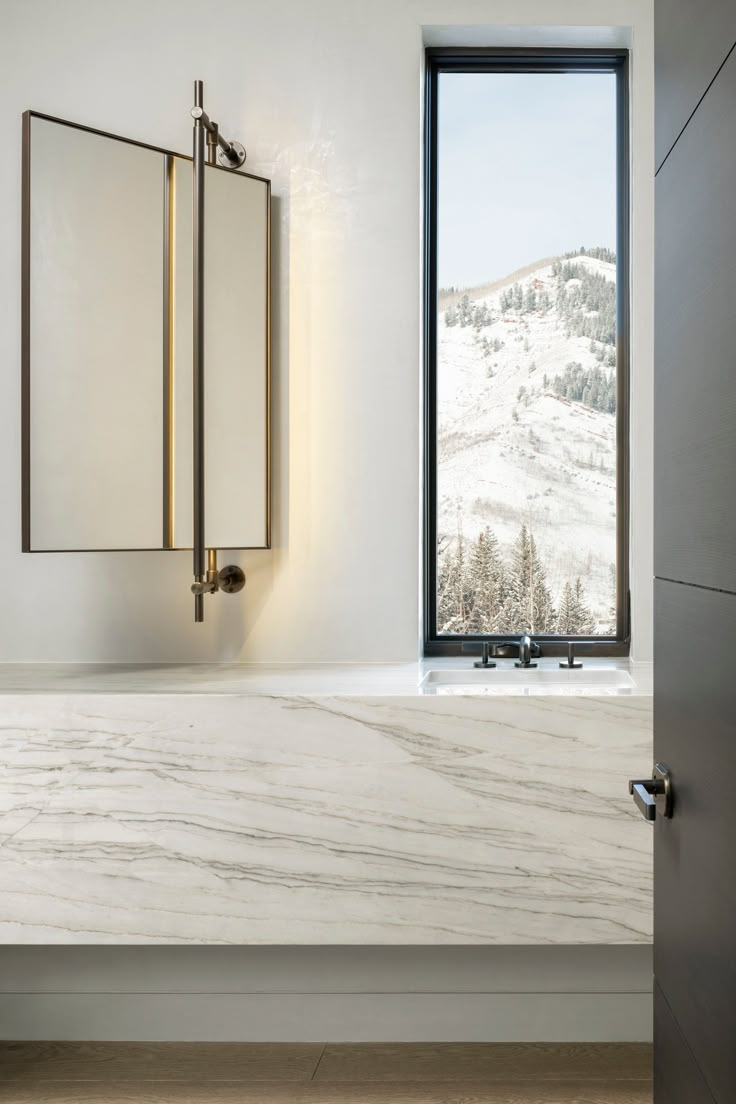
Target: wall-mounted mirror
107	346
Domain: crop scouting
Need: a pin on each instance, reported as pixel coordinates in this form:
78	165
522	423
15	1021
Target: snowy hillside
526	421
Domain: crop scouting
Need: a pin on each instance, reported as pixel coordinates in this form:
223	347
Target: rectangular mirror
107	346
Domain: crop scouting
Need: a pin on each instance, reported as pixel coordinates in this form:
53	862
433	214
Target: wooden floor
312	1073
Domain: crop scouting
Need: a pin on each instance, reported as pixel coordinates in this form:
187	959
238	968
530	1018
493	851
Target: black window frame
440	60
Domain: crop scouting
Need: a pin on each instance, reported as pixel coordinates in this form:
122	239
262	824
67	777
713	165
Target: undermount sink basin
534	676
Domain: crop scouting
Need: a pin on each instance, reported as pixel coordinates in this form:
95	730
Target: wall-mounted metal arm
231	154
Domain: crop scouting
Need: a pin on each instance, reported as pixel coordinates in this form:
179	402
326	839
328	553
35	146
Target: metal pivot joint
229	579
231	154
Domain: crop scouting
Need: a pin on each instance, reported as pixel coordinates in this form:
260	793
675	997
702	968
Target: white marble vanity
372	805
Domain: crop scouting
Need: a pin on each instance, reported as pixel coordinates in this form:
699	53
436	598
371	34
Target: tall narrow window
527	349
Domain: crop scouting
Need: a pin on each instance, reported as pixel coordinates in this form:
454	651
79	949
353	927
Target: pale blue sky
527	169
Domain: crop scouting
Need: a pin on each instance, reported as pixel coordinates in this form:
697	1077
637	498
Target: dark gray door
695	851
692	39
695	552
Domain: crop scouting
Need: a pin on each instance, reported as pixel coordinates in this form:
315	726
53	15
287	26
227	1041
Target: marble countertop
599	678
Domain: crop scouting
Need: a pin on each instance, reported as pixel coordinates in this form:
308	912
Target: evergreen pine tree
487	575
465	314
445	609
566	625
518	603
575	617
452	590
455	588
612	609
530	298
542	609
584	618
529	605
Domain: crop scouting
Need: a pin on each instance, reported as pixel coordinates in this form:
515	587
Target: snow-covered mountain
526	418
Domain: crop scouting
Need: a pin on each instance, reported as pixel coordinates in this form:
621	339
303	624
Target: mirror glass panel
96	339
236	316
108	347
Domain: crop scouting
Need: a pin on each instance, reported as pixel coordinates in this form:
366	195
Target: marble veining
133	818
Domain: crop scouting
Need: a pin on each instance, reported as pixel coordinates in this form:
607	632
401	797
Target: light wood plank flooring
309	1073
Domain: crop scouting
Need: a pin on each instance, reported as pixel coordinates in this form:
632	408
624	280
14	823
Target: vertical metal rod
168	354
198	536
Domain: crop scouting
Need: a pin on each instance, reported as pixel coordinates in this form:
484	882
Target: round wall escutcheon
231	579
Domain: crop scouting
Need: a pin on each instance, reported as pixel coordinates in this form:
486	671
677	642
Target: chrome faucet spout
525	647
525	651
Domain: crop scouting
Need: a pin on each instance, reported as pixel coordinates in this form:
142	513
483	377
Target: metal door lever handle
644	791
653	794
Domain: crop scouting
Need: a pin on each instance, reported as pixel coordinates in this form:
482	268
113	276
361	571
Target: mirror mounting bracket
229	579
230	154
235	158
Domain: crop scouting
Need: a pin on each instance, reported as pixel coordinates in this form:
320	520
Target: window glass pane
526	353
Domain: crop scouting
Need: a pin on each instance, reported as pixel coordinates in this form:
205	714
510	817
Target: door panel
695	347
691	42
677	1079
694	864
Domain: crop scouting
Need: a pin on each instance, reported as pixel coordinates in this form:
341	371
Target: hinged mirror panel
107	346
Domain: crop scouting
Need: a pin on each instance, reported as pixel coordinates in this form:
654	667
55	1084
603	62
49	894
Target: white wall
326	96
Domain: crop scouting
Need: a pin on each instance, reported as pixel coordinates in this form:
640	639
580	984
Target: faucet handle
485	661
570	662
